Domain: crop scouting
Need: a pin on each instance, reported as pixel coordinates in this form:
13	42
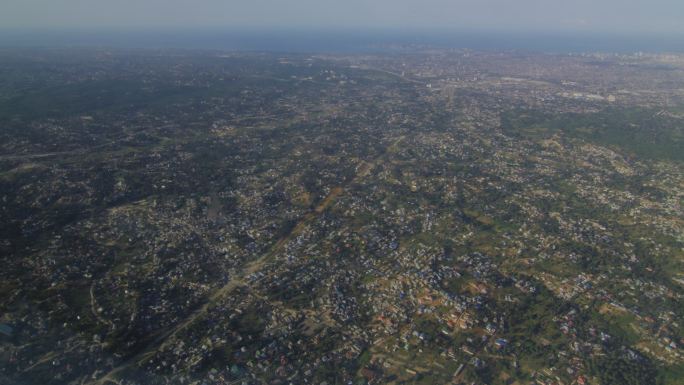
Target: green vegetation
639	131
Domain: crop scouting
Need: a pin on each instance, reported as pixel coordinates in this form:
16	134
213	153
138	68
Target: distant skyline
631	17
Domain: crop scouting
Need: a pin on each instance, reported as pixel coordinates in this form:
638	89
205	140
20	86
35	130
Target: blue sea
340	41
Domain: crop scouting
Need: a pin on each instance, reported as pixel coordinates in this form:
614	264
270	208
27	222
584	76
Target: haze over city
317	192
617	16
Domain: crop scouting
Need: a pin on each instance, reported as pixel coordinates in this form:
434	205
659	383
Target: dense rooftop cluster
410	218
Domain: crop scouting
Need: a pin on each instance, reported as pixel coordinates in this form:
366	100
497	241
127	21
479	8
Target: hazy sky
618	16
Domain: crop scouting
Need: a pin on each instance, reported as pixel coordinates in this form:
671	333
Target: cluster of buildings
332	219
